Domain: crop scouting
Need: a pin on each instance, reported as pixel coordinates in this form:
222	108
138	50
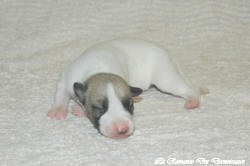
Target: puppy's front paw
78	111
57	113
191	104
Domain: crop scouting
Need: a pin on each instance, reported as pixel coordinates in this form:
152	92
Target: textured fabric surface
209	39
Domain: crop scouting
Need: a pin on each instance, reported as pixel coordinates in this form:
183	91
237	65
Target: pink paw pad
58	113
78	111
191	104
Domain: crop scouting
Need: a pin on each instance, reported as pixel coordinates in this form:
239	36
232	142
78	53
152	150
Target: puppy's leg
59	108
168	80
180	89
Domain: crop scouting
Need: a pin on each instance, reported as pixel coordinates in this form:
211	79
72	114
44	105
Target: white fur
139	62
114	115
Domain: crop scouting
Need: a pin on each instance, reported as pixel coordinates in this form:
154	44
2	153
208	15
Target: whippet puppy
106	76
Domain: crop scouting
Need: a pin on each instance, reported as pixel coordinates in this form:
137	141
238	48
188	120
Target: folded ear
135	91
80	90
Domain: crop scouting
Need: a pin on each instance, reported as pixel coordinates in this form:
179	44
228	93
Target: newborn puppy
105	77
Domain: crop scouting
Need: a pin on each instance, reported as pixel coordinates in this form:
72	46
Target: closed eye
94	107
97	111
128	105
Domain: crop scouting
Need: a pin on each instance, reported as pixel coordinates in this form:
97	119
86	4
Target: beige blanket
209	39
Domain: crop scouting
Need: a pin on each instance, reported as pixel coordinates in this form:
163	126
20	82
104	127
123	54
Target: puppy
105	77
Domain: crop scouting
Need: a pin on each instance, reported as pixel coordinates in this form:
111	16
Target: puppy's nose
122	130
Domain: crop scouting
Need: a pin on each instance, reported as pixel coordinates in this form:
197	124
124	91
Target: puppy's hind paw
191	104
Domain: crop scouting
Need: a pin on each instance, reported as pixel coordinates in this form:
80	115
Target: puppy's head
107	99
